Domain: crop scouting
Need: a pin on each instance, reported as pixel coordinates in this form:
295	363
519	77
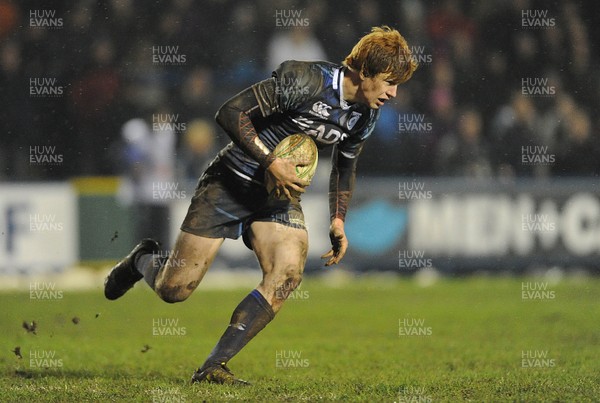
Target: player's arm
236	116
341	186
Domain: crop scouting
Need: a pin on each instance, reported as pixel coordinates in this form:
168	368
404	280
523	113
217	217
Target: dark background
475	55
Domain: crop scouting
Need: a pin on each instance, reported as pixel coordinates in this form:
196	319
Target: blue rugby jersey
308	99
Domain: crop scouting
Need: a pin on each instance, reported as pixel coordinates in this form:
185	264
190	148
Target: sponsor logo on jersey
326	134
353	119
320	109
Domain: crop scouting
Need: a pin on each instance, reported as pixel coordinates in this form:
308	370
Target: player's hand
281	175
339	242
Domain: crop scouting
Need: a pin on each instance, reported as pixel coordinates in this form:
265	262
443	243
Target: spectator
297	43
17	116
197	94
441	101
93	101
514	129
148	183
241	60
579	153
8	17
467	153
197	149
400	142
102	56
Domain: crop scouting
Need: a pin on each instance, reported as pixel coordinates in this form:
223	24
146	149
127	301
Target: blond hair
382	51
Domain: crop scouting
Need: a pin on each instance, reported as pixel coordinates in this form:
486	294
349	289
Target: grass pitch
390	340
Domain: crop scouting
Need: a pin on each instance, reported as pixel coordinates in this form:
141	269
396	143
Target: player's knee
293	274
289	280
174	293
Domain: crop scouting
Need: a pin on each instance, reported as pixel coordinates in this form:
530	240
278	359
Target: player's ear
362	75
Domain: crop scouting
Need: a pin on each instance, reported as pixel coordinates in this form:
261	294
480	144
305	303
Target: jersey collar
338	79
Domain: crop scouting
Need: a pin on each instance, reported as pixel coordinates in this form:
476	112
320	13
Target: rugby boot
124	275
217	373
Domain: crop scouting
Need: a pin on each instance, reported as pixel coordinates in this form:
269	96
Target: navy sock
148	265
249	318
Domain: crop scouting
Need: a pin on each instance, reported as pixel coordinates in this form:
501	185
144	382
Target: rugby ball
302	151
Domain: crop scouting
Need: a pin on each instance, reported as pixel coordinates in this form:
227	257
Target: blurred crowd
504	88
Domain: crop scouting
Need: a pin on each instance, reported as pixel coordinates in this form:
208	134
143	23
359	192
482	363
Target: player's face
376	91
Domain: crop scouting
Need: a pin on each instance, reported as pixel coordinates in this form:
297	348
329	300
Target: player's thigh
187	263
281	251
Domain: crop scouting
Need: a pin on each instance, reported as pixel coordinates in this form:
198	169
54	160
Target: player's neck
350	85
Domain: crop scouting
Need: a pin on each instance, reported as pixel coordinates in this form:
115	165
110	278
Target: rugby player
337	105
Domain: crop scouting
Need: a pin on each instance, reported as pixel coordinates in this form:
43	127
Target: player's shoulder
365	118
368	116
312	67
371	121
302	72
374	115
